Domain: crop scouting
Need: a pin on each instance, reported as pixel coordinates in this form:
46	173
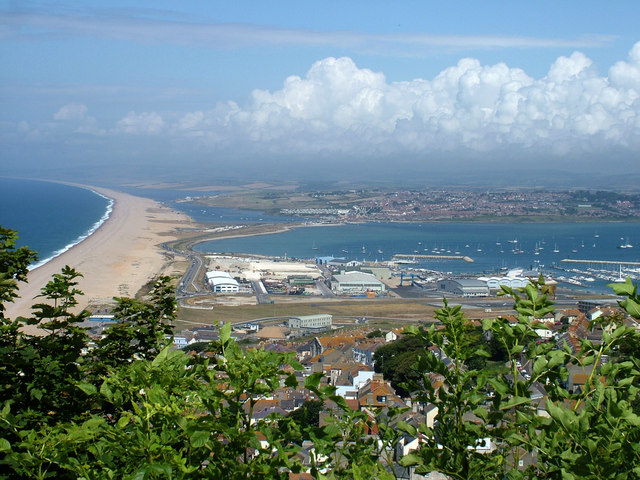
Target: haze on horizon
446	92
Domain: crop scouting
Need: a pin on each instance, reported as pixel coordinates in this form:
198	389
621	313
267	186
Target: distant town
432	205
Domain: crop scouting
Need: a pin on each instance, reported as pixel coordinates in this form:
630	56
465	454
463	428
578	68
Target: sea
52	217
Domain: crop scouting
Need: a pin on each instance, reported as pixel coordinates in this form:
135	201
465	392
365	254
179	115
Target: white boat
625	244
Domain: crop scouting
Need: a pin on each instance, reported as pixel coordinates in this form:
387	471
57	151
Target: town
375	204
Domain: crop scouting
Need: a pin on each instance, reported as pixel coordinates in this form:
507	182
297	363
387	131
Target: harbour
464	249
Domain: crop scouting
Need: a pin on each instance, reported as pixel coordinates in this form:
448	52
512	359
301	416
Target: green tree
395	361
14	266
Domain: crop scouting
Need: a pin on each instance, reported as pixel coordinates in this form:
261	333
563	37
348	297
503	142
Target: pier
434	257
601	262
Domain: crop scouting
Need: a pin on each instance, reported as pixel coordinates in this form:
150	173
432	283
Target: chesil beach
117	259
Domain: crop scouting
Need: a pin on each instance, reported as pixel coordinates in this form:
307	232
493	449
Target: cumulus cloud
71	111
342	108
145	123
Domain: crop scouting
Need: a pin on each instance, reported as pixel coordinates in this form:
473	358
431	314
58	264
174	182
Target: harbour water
494	247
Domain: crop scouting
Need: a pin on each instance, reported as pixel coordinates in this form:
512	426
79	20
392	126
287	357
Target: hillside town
346	358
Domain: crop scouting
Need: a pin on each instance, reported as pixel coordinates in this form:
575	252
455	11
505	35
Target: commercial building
222	282
464	287
318	321
356	282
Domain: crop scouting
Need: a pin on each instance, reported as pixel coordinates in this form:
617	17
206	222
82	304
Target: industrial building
464	287
222	282
356	282
318	321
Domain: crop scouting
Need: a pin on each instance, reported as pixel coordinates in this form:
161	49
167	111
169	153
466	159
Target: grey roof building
464	287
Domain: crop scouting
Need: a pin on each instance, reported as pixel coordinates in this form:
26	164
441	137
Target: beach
117	259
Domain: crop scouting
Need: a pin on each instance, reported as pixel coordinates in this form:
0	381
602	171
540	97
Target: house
377	393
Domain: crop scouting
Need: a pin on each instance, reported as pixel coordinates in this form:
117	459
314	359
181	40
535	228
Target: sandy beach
117	259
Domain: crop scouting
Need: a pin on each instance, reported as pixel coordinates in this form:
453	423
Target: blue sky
299	88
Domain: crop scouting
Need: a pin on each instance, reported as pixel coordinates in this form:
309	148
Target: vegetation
396	360
131	407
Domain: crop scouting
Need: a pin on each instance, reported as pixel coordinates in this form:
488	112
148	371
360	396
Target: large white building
356	282
222	282
320	320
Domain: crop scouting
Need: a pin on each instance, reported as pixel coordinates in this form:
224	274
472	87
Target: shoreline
118	258
81	238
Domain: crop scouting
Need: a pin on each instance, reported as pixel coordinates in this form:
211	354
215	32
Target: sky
440	92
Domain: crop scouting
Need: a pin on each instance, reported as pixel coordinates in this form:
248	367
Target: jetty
601	262
433	257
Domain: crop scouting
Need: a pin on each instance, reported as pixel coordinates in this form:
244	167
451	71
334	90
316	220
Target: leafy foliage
134	408
396	359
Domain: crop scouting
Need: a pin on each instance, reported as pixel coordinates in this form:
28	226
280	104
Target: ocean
50	217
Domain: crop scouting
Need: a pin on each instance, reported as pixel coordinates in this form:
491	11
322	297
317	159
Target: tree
395	361
14	266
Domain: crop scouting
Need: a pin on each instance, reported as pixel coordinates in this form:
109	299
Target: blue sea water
50	217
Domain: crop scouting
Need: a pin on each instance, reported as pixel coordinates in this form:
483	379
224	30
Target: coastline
120	256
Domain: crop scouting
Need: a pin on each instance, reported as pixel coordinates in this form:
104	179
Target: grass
384	313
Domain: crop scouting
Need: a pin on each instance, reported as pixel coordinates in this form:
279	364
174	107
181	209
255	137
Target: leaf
405	427
627	288
88	388
225	333
105	391
5	446
631	307
162	356
512	402
199	438
291	381
410	460
313	380
482	413
123	422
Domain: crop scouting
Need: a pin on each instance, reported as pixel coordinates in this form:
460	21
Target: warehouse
222	282
356	282
464	287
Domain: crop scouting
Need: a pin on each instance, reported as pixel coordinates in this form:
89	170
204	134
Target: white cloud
159	26
345	111
339	107
71	111
145	123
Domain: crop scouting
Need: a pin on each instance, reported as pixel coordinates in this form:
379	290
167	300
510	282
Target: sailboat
625	244
313	246
555	249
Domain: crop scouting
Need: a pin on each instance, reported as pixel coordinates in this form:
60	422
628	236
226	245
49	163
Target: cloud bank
340	110
339	107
